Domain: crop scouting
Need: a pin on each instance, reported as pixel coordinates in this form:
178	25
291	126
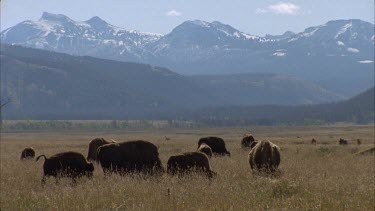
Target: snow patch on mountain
340	43
366	61
344	29
353	50
279	54
310	32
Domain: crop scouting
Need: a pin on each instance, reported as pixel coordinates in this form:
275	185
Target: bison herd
143	157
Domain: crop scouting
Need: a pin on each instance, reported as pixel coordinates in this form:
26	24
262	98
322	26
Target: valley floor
325	176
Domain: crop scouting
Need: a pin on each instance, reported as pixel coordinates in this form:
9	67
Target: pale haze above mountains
337	55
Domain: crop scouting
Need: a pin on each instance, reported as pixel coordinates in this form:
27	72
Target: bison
246	141
217	145
204	148
359	141
28	153
264	156
343	142
313	141
130	157
66	164
93	148
188	163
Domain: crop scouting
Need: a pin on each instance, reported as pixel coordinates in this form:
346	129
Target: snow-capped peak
46	16
198	23
215	28
96	21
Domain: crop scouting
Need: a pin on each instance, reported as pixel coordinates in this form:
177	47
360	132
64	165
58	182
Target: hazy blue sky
254	17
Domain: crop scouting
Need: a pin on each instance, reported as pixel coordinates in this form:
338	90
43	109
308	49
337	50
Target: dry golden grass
314	177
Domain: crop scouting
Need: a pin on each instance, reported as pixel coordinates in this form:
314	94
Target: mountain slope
359	109
49	85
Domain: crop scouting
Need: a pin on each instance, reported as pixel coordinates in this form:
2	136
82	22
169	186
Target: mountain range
337	55
48	85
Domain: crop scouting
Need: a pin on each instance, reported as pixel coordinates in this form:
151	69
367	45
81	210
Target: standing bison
188	163
313	141
66	164
130	157
264	156
359	141
204	148
343	142
217	145
28	153
246	141
93	147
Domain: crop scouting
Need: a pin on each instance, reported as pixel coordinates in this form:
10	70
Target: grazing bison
246	141
27	153
265	156
66	164
217	145
188	163
313	141
204	148
359	141
93	147
130	157
343	142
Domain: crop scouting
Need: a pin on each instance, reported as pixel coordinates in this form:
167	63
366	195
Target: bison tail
40	157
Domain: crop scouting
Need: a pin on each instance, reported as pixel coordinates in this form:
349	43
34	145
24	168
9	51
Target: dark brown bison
246	141
93	147
359	141
313	141
130	157
217	145
66	164
28	153
188	163
343	142
265	156
204	148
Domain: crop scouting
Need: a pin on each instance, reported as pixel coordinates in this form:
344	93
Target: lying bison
217	145
264	156
130	157
28	153
66	164
204	148
343	142
93	147
188	163
246	141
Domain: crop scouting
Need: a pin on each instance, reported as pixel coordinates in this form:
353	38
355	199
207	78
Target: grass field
325	176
